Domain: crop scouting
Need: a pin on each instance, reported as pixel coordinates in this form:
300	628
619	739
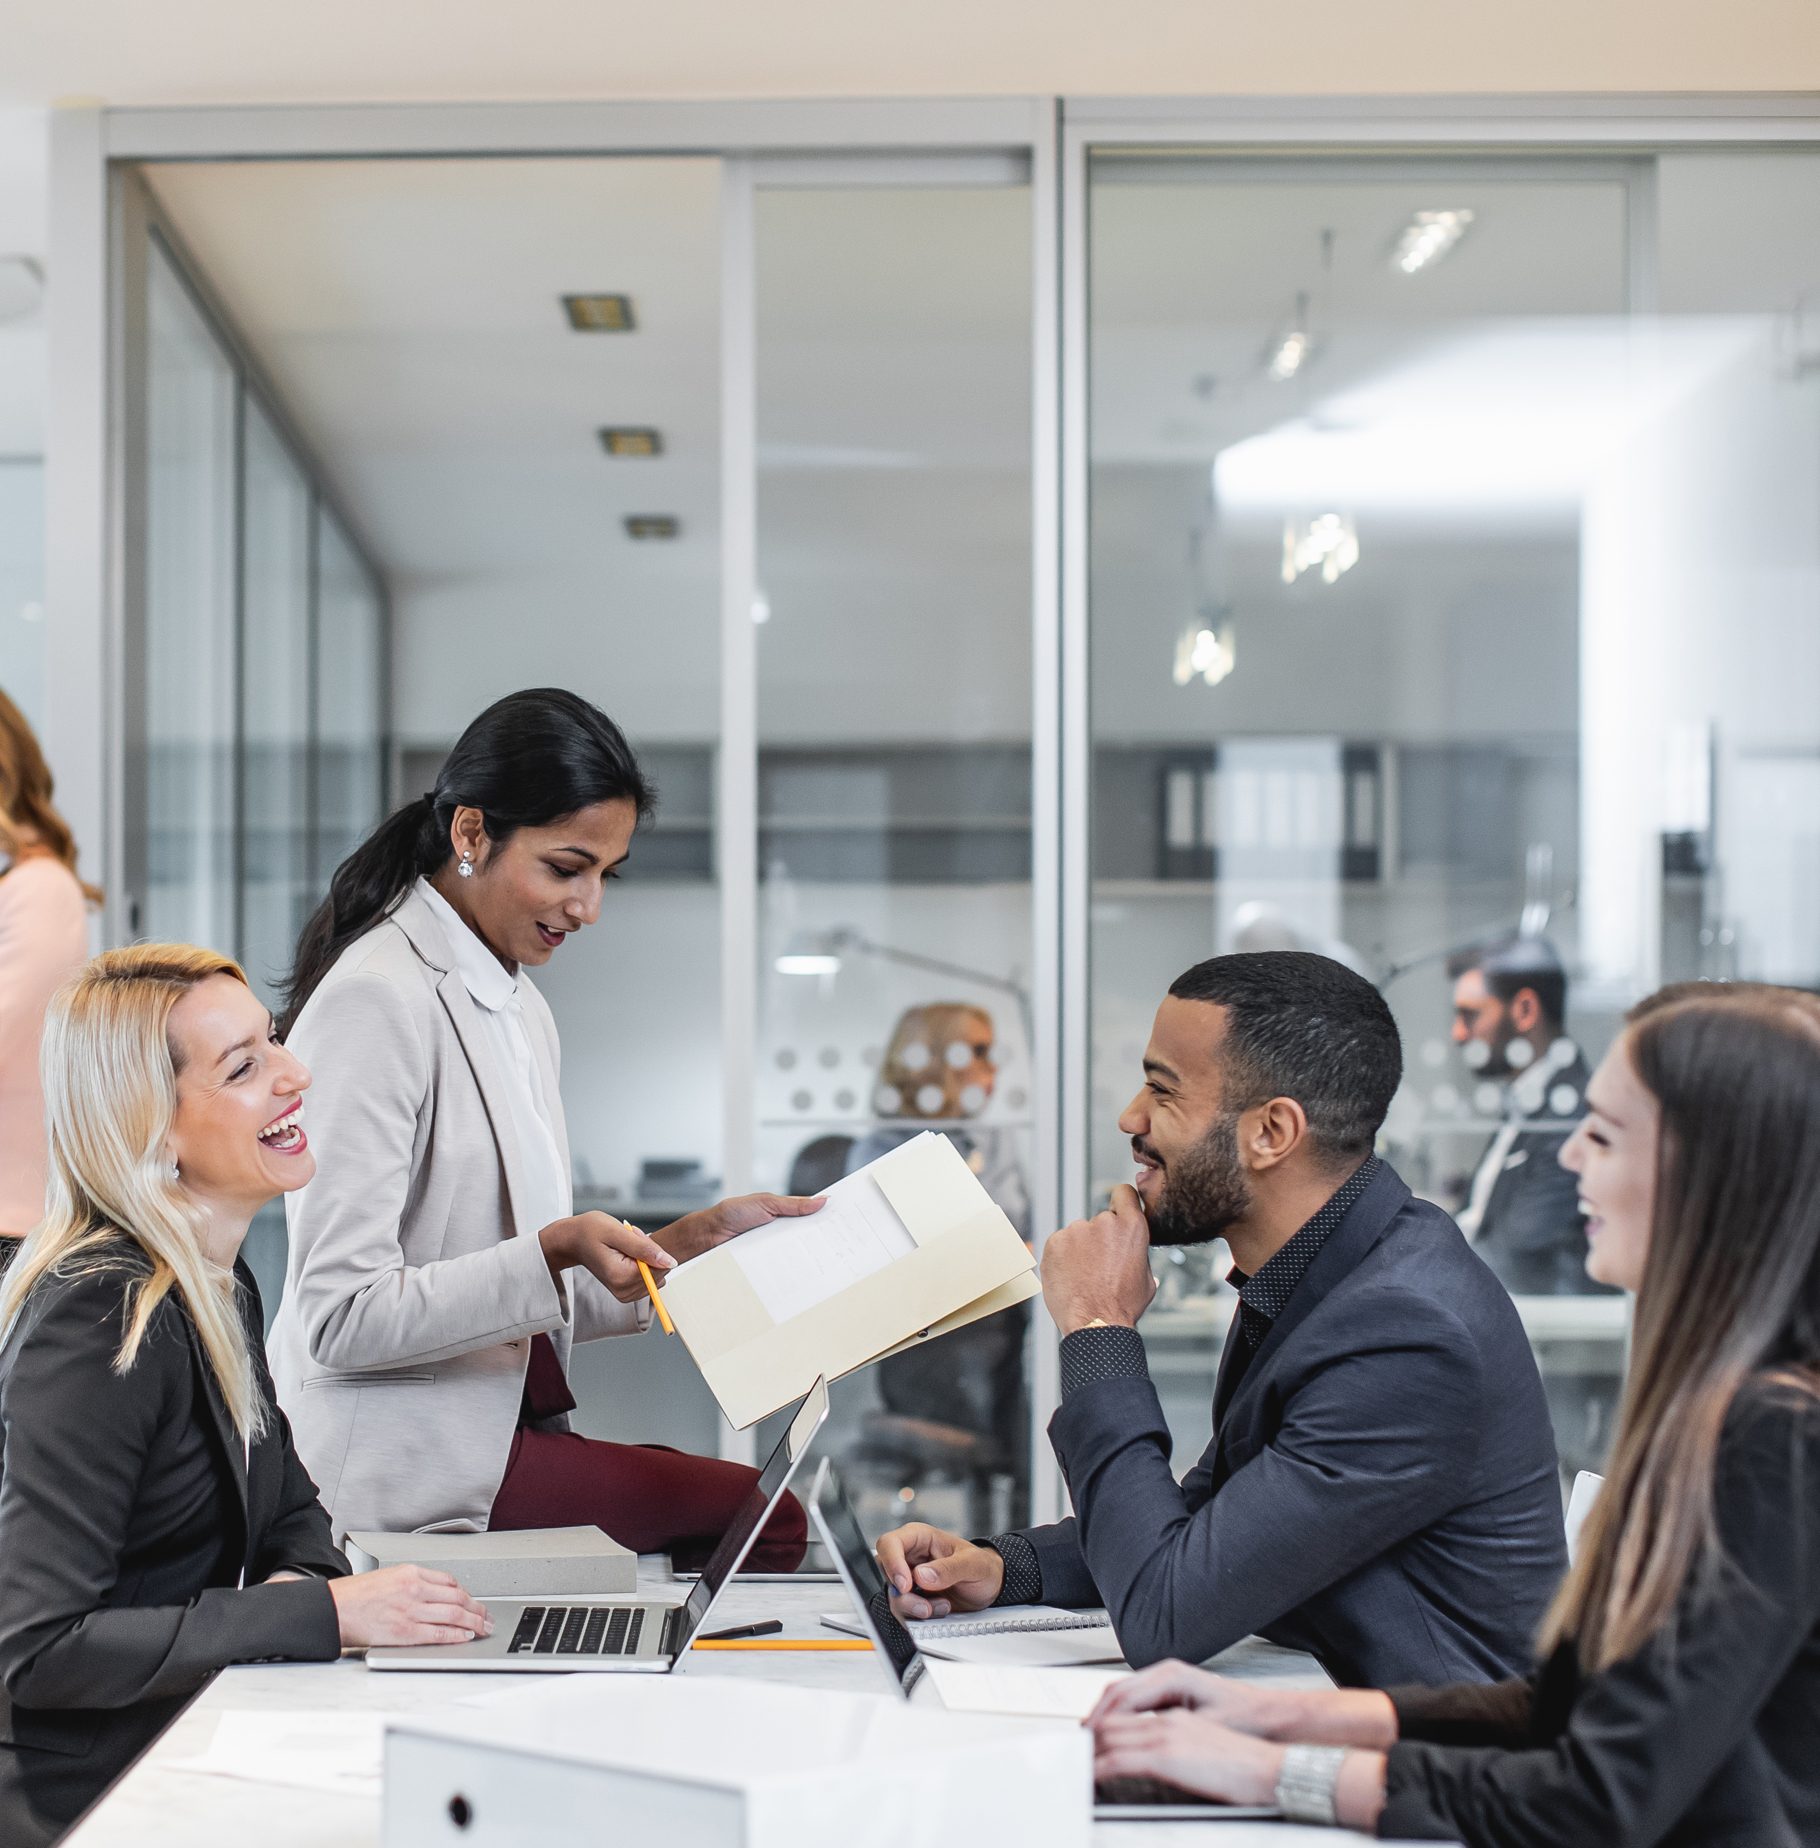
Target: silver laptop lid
864	1579
767	1492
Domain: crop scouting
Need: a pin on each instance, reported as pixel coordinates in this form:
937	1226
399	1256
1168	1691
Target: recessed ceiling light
652	525
626	441
1427	238
599	314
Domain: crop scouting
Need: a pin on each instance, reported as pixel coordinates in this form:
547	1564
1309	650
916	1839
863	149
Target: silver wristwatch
1305	1785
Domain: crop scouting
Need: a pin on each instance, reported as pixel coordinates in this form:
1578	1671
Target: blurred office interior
1433	555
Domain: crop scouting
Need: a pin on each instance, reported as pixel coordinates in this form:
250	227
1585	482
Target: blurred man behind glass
1522	1211
1509	1021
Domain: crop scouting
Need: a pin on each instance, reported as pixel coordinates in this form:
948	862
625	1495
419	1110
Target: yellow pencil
657	1302
783	1642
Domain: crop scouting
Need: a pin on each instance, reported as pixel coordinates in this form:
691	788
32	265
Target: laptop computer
1125	1800
616	1635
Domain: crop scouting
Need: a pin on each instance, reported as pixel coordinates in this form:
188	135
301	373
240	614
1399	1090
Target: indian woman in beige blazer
437	1276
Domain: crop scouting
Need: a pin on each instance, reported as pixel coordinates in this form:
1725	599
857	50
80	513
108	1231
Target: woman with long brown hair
1677	1698
43	939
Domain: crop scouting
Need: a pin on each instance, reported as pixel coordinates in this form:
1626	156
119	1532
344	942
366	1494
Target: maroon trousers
649	1498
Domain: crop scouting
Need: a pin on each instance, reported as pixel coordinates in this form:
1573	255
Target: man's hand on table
932	1573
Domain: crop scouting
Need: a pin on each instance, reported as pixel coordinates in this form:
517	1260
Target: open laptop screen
724	1561
864	1578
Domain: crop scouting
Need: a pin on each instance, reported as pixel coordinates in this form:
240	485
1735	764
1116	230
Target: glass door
1347	422
894	656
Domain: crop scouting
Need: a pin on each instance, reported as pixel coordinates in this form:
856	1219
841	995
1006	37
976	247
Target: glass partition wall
1434	584
893	641
235	632
1454	573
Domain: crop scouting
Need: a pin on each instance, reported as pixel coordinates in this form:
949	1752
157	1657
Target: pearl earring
176	1172
465	870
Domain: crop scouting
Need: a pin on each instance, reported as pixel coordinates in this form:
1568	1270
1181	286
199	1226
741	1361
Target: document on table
339	1752
1024	1648
1028	1636
1048	1693
905	1249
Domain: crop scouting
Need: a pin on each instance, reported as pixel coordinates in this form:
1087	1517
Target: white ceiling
201	51
408	313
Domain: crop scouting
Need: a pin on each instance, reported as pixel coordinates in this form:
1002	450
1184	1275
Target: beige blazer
412	1288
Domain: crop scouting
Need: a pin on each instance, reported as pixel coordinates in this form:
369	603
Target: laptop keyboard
1131	1792
578	1629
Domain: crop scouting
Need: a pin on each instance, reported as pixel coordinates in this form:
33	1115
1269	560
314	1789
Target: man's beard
1204	1190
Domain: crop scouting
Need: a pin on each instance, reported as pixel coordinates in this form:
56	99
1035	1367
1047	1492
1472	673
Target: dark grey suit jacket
127	1515
1381	1491
1533	1235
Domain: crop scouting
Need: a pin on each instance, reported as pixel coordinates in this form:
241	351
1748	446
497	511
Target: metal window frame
140	224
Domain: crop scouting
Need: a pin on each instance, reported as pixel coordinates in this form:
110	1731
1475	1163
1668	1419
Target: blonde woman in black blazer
155	1522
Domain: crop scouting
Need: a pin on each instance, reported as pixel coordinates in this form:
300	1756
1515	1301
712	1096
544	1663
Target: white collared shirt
495	993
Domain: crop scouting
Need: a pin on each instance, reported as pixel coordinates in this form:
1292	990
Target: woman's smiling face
529	892
1614	1152
237	1137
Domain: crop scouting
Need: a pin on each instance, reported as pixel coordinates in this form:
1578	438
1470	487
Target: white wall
1701	604
198	52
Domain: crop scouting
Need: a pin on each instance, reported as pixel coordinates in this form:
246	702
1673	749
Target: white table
157	1805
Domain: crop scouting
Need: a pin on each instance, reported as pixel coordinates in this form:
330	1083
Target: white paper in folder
908	1247
794	1264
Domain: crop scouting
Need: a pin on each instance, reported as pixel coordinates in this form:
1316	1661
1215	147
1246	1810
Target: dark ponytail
529	759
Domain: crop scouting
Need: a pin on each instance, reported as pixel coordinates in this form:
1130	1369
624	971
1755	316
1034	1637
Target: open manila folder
908	1247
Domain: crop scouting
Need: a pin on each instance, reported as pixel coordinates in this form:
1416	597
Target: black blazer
1380	1491
127	1513
1709	1737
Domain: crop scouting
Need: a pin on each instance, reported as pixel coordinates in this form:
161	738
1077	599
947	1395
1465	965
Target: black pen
769	1627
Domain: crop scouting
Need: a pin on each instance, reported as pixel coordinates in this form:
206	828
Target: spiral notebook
1028	1635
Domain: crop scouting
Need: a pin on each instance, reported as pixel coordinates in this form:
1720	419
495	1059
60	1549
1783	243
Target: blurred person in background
938	1071
43	940
1510	1024
1520	1214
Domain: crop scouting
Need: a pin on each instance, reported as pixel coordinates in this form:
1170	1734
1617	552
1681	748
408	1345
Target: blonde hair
934	1027
110	1096
29	821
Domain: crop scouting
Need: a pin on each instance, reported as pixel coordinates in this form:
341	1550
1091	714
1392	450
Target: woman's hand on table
410	1605
1188	1749
695	1233
607	1249
1362	1717
1225	1739
1175	1685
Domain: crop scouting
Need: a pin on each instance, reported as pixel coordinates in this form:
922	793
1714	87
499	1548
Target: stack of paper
909	1247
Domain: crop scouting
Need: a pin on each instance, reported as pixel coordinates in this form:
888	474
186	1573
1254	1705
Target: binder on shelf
907	1248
